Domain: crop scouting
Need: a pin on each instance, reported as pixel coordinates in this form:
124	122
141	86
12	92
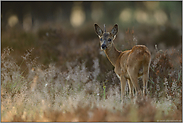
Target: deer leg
134	79
123	84
145	79
131	92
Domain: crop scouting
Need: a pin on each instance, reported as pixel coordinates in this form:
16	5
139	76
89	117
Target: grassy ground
63	77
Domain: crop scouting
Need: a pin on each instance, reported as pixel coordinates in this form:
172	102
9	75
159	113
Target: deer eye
109	39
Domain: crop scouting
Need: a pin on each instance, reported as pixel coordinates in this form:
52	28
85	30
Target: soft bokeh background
150	23
52	63
76	14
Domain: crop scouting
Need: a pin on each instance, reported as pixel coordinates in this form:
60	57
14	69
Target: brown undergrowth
63	77
142	111
50	95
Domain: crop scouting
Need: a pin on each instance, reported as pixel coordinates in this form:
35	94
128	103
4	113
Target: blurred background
30	15
64	31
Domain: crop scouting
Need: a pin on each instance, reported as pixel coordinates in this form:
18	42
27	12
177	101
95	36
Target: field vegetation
54	74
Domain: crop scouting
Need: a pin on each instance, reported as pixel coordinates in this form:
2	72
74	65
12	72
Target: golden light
160	17
125	15
77	16
27	22
152	5
12	20
141	16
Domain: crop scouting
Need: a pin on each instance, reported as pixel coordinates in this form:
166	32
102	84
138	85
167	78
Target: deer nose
104	46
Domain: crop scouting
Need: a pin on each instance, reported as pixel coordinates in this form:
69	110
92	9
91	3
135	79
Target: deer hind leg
145	78
131	91
133	73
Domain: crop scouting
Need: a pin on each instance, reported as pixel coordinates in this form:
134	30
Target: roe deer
128	64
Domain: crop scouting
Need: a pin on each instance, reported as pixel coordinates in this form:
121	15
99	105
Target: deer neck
112	54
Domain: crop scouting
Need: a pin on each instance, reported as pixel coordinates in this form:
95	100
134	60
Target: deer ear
98	30
114	30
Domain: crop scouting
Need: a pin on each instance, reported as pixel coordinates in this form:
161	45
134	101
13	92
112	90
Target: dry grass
52	88
51	95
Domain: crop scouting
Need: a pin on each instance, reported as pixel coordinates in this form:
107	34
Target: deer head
106	38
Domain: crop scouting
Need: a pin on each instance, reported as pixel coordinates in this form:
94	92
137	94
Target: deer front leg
123	84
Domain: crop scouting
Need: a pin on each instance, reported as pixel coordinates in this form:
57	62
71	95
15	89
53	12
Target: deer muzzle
103	47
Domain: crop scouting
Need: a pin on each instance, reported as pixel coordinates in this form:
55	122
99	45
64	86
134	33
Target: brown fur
127	63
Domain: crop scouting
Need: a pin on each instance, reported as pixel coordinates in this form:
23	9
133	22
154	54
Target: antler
104	28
